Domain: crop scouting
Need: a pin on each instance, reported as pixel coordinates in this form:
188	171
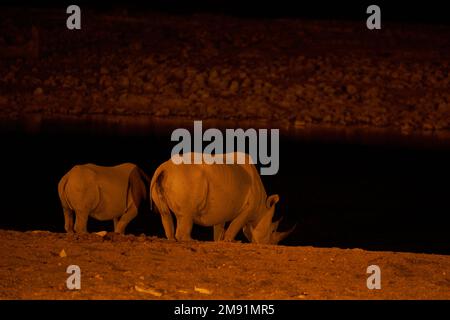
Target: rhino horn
276	224
276	237
248	232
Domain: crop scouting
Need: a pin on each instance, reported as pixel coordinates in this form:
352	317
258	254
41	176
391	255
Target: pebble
38	91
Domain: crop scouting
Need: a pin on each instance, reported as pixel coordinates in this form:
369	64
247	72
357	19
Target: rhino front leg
129	215
184	228
81	222
68	220
235	226
219	230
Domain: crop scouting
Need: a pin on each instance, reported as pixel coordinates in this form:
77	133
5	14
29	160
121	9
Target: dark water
341	195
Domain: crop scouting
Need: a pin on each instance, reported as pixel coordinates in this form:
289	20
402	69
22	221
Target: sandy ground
32	266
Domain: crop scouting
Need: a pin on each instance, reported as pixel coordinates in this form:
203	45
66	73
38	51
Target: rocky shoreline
298	73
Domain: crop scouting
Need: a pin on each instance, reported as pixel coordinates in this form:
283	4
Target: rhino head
263	230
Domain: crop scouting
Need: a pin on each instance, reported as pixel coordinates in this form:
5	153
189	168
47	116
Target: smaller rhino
104	193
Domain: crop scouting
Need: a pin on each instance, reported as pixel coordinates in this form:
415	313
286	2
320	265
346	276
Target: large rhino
211	195
104	193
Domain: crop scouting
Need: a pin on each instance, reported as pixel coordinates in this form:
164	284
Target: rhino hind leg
219	230
184	228
68	220
167	221
81	222
125	219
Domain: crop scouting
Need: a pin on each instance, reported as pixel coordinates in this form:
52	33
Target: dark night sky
432	11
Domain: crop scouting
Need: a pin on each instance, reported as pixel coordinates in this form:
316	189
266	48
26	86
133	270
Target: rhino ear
272	200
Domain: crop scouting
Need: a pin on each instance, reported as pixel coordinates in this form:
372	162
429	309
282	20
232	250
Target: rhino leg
68	219
167	221
129	215
219	230
236	225
81	222
184	228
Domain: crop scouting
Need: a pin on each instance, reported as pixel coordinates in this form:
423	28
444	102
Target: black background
432	11
378	197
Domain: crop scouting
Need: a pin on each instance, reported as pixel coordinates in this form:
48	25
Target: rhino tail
144	176
62	192
138	185
157	196
157	192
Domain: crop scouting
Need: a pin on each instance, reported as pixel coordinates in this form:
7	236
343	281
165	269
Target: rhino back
213	194
101	190
114	187
81	189
183	187
229	190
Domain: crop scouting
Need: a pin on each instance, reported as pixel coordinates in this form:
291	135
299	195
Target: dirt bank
32	266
